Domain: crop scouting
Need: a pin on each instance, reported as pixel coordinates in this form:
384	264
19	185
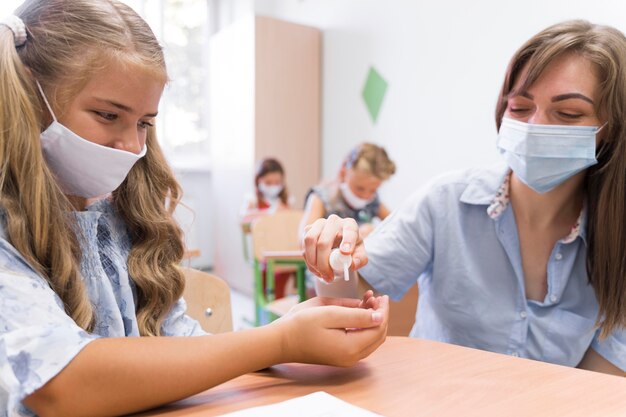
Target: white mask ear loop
46	100
602	127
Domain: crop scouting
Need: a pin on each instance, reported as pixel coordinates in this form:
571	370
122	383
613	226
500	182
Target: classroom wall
444	61
196	213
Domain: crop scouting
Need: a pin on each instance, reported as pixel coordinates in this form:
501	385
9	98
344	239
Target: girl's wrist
282	336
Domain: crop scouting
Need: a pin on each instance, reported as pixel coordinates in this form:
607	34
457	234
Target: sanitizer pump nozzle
340	263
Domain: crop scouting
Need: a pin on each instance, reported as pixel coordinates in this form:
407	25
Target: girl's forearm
122	375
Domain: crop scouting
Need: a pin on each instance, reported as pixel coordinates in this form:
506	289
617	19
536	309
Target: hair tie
18	28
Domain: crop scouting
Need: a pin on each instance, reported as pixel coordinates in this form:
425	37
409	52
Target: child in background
93	322
270	192
270	196
354	194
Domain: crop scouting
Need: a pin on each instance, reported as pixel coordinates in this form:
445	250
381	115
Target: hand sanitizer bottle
340	263
345	282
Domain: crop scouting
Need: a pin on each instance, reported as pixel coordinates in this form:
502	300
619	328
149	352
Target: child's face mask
270	192
83	168
352	199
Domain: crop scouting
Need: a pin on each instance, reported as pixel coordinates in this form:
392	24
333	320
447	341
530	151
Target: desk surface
410	377
288	255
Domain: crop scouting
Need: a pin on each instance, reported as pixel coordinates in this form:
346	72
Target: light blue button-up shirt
471	284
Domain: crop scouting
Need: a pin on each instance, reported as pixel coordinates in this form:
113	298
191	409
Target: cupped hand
334	331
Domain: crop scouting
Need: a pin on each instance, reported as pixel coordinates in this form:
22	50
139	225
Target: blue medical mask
544	156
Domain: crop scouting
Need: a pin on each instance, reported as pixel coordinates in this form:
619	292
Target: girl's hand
369	301
325	234
333	331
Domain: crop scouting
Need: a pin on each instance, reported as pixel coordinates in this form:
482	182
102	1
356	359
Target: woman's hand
325	234
366	229
334	331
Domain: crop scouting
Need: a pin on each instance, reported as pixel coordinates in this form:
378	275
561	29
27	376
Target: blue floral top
37	338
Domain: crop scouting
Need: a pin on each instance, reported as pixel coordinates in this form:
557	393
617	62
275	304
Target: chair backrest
208	300
276	232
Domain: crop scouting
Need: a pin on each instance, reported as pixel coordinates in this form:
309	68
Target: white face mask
353	200
83	168
544	156
270	192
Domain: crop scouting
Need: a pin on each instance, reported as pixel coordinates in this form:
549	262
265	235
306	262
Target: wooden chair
276	245
208	300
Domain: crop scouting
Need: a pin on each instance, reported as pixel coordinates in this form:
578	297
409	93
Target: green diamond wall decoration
374	92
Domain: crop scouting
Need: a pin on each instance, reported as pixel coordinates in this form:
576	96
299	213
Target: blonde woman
88	246
526	258
354	194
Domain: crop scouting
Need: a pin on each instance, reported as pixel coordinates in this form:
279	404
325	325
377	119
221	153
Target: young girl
88	247
270	191
526	259
270	196
355	192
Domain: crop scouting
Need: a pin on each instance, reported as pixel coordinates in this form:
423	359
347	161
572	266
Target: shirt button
553	298
558	256
523	314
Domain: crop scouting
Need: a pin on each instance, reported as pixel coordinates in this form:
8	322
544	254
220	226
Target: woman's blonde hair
372	159
68	42
605	47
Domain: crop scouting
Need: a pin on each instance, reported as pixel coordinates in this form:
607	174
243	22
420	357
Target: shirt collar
482	185
499	201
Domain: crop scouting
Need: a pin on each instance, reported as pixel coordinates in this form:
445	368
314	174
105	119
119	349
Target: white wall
444	61
196	214
231	81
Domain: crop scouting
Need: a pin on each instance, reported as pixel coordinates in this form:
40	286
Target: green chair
276	245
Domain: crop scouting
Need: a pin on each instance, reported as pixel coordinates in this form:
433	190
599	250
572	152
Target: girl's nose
129	142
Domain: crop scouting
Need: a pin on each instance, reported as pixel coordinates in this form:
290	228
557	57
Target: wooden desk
410	377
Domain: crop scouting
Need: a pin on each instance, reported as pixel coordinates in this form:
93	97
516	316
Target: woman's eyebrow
560	97
568	96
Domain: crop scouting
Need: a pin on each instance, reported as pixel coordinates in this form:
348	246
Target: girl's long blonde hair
68	42
605	47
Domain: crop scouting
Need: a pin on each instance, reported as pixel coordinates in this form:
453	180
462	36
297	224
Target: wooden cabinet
265	85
